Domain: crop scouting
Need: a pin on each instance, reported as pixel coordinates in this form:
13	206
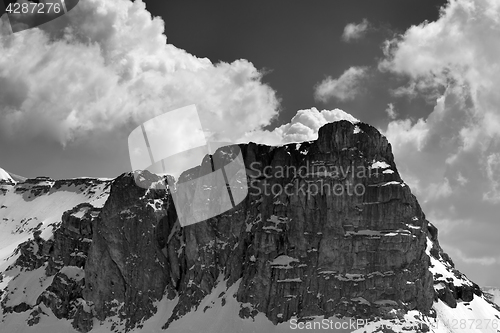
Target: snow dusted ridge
35	207
37	204
5	177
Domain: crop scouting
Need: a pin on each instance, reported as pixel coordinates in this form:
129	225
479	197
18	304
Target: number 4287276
35	8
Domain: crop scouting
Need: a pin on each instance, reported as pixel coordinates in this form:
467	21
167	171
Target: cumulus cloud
457	51
304	126
458	58
354	31
345	88
106	67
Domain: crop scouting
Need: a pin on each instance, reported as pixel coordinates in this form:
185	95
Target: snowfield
23	212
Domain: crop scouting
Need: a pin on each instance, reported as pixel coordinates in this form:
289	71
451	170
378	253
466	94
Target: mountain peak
5	177
10	177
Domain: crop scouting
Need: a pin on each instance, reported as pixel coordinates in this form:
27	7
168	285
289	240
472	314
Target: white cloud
455	61
391	112
403	132
106	67
461	53
304	126
354	31
346	87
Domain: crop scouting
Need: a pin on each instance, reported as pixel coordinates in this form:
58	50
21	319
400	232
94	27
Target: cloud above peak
304	126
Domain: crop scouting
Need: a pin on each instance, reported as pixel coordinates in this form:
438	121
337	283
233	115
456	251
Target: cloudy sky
426	73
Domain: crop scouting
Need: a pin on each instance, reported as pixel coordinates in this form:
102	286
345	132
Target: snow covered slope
35	206
219	313
38	203
5	177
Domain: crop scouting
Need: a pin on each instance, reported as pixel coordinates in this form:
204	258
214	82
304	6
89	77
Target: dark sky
299	43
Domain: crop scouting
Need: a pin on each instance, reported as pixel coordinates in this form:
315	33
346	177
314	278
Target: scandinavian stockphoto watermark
310	179
328	324
23	15
174	143
352	324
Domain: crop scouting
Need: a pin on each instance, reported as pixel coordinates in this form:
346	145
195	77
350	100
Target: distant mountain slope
5	176
17	178
493	294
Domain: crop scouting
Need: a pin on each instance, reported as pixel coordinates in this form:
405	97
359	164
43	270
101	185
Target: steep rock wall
328	228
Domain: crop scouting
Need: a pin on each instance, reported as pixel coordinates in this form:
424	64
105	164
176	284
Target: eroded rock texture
328	228
126	269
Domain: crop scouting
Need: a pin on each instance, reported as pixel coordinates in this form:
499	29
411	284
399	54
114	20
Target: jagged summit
328	230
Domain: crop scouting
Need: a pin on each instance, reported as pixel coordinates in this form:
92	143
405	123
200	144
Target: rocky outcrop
126	270
455	286
67	260
62	260
328	228
72	239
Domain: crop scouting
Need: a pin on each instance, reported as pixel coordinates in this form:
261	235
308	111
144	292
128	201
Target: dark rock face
66	261
72	239
126	269
350	254
330	234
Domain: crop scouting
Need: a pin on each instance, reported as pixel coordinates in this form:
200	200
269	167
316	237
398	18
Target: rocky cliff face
126	268
346	237
328	228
